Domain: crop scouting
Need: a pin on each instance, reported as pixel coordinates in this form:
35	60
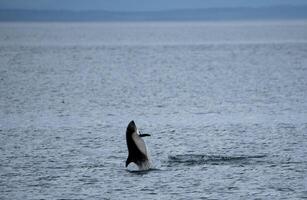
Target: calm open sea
225	104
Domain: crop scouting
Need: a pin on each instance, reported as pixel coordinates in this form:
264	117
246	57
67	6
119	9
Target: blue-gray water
225	104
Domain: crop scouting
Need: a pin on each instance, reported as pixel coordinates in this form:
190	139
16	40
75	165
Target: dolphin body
137	151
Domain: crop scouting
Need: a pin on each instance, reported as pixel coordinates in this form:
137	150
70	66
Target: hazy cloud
137	5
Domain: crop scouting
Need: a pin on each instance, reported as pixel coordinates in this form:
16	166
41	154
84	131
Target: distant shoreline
209	14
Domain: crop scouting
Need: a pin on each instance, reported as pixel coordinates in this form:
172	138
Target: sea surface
225	104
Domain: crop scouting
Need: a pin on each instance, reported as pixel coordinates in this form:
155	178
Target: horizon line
162	10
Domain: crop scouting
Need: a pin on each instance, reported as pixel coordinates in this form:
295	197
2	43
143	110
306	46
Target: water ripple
199	159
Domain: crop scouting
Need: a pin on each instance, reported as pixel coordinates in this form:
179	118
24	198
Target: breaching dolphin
137	151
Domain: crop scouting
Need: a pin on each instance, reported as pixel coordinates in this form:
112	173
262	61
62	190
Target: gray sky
138	5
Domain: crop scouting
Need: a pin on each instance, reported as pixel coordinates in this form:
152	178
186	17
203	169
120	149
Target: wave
199	159
142	172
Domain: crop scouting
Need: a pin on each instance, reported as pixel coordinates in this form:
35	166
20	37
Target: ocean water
225	104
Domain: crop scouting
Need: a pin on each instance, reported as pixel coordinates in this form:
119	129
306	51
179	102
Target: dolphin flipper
144	135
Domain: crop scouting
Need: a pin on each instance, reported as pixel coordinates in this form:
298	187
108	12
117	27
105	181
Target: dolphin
137	151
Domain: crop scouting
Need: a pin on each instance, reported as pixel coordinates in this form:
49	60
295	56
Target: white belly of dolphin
142	147
139	143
